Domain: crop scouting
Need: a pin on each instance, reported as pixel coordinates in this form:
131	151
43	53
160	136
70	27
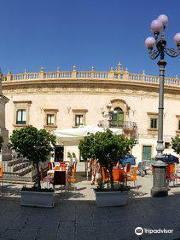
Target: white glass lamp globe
164	19
156	26
177	38
150	42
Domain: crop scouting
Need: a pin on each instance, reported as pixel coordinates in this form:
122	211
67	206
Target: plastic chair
170	173
133	178
1	174
128	169
122	176
64	168
50	165
119	175
57	168
152	170
71	179
116	175
105	175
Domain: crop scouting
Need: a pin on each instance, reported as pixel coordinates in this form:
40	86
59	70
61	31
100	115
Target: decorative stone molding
121	104
79	112
50	111
108	86
152	114
22	105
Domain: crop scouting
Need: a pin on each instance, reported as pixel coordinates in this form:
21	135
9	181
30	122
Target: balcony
127	126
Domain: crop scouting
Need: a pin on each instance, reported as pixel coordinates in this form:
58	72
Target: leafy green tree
1	141
107	147
86	147
33	144
176	144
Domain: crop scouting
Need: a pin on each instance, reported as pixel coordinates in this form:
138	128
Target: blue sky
61	33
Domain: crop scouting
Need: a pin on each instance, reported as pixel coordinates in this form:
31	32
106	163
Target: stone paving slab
76	216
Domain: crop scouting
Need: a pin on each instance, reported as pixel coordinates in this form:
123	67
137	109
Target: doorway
146	153
59	154
118	118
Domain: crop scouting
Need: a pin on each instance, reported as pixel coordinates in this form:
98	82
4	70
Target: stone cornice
86	85
79	110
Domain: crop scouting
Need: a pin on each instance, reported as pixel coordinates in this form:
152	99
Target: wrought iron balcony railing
125	125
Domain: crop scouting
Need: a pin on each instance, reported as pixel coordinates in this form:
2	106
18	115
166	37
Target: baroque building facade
68	99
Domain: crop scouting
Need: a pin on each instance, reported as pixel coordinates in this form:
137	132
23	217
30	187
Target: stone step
14	162
20	166
25	171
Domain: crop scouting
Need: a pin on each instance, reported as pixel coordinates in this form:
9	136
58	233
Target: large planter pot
37	199
111	198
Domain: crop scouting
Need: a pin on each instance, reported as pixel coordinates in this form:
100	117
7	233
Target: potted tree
108	149
176	144
86	147
34	145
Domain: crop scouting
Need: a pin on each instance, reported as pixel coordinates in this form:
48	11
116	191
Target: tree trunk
38	177
111	176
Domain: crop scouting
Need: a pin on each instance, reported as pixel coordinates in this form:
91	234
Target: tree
86	147
176	144
107	147
33	144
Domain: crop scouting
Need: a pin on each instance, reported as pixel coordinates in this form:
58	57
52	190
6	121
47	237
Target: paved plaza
76	217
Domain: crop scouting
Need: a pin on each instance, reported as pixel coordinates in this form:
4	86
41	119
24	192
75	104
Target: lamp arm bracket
153	54
171	52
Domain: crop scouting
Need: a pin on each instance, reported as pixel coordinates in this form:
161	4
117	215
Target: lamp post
158	26
109	114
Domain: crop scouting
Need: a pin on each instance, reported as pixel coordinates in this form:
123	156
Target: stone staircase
19	169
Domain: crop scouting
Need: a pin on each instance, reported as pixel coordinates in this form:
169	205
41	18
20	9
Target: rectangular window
178	124
21	116
50	119
153	123
167	145
78	120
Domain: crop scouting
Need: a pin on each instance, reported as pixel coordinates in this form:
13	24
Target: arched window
117	117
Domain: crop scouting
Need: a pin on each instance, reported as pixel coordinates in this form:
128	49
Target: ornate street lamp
158	26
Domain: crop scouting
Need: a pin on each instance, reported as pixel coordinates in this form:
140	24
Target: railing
117	75
125	125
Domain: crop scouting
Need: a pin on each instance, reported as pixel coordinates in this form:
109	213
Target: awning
76	134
